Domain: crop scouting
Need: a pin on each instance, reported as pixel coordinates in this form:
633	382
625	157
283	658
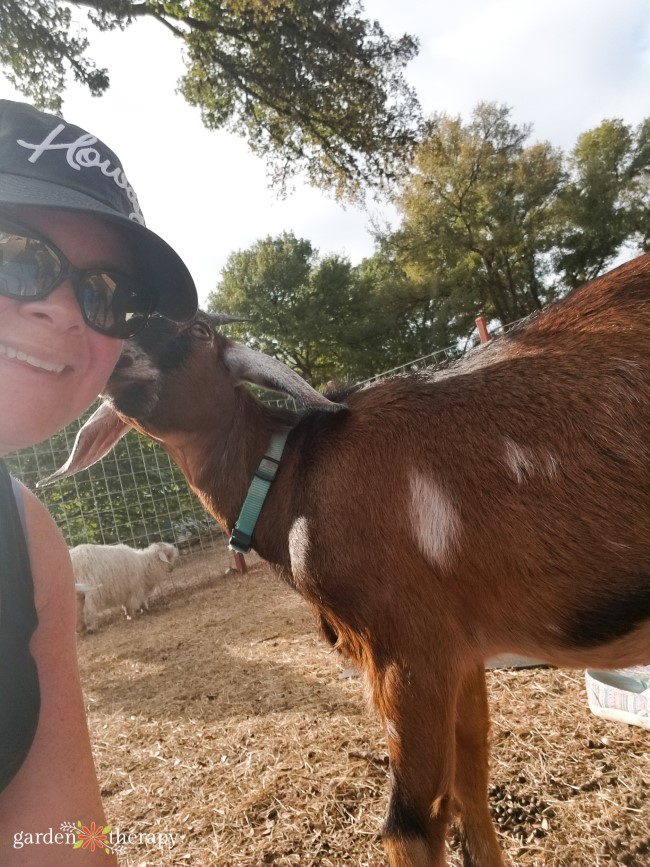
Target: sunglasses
112	303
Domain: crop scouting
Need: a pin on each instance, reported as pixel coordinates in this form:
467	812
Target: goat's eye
200	330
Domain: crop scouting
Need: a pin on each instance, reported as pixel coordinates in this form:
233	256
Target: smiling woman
78	272
46	349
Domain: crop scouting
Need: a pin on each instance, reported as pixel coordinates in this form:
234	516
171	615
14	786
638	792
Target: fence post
240	562
483	333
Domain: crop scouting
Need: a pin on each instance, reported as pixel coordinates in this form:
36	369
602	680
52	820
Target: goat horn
225	318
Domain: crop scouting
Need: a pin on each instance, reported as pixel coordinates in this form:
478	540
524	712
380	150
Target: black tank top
20	697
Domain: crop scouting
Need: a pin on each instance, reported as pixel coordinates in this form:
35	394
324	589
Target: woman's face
67	363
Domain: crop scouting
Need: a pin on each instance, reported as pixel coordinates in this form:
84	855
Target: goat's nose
125	360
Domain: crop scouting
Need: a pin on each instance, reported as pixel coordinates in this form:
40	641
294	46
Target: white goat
109	576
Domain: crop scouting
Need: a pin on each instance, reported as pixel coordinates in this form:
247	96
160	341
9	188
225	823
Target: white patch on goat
552	465
436	521
299	546
519	460
523	463
391	731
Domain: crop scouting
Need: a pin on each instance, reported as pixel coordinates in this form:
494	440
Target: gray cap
47	162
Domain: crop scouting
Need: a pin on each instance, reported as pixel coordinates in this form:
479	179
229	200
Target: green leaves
309	312
476	224
492	224
497	225
323	317
39	48
604	204
310	84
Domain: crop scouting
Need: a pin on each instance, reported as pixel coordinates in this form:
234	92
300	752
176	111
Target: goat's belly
631	650
615	613
603	624
617	643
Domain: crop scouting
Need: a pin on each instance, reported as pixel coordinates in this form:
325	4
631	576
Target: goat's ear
95	439
166	555
247	365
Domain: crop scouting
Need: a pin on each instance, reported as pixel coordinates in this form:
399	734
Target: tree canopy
605	203
313	313
311	84
476	225
497	225
492	224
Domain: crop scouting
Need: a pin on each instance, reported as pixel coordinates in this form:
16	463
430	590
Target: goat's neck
219	463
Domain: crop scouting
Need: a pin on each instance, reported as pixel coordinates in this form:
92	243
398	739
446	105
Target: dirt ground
219	717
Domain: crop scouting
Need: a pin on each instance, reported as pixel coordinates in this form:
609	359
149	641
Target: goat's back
520	476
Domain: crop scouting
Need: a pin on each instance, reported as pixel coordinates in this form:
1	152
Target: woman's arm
57	781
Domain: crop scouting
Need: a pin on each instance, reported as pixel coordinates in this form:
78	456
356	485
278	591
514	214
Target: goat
110	576
433	520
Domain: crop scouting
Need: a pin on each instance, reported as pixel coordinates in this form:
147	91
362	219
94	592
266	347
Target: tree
477	222
311	84
408	320
604	204
309	312
493	224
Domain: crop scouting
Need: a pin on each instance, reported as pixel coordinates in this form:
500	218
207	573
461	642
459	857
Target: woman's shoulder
48	554
37	518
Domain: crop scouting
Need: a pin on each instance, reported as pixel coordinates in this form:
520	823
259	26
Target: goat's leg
479	841
419	720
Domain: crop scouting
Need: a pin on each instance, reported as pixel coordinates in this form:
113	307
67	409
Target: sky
561	65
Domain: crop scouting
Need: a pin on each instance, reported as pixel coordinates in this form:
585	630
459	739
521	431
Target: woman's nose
60	308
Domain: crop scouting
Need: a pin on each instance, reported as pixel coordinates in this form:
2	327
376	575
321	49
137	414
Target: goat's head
167	371
175	379
167	554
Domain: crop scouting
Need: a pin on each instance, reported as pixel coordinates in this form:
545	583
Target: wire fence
136	495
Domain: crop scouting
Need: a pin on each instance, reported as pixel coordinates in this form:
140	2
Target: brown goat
433	520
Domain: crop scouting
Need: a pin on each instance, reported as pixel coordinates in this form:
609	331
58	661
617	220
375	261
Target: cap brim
163	267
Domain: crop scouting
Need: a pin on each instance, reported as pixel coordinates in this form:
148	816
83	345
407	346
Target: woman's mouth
11	353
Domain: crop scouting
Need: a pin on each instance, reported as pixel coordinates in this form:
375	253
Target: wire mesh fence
135	495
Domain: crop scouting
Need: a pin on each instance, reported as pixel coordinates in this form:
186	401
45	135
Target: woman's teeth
30	359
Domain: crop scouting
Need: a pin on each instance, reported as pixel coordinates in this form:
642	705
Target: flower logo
93	838
90	837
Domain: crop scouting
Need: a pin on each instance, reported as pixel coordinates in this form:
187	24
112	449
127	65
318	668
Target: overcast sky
562	65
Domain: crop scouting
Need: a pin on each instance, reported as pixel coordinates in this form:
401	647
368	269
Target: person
79	272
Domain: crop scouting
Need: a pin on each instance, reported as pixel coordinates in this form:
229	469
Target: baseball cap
48	162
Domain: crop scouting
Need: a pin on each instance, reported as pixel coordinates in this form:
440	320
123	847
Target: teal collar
242	534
